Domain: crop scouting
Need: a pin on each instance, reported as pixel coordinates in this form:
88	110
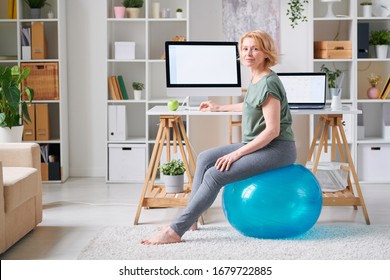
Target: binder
117	129
42	124
29	127
123	87
38	40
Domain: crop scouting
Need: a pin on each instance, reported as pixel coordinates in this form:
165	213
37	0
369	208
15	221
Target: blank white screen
203	64
304	89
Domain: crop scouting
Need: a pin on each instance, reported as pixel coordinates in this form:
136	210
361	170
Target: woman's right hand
208	106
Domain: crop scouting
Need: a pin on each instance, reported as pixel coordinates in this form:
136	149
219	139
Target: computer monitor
201	69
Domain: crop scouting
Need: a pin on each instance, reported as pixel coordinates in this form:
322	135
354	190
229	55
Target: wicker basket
43	80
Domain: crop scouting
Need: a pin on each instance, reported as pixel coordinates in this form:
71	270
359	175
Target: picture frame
386	89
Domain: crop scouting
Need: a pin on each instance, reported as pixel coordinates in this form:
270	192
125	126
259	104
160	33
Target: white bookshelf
148	67
10	54
367	149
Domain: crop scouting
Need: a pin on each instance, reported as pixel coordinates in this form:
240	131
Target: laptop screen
305	89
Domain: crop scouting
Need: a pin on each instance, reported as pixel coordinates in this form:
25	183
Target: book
117	88
111	89
386	89
123	87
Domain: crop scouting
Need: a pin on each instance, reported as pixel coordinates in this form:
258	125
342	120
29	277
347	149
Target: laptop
305	90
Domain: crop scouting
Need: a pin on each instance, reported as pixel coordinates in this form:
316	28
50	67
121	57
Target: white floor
75	211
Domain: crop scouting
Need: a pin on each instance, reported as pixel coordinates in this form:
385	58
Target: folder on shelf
42	124
12	9
111	89
29	127
117	129
118	88
123	87
25	39
38	40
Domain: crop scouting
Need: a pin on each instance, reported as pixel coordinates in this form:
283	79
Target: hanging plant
295	11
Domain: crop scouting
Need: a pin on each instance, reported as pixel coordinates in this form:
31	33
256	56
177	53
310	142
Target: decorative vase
156	10
133	12
373	92
12	135
381	51
35	13
119	11
174	184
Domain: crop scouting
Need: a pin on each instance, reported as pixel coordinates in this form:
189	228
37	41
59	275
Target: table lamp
329	13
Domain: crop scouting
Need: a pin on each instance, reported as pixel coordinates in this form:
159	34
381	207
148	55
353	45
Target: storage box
38	40
373	162
333	49
126	162
124	50
332	176
43	79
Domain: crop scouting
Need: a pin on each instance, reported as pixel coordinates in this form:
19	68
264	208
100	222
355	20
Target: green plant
295	10
12	108
138	86
133	3
179	10
173	168
365	4
36	4
380	37
331	75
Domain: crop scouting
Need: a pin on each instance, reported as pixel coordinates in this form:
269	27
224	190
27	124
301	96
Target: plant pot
137	94
381	51
12	135
367	11
119	12
35	13
133	12
179	15
373	93
174	184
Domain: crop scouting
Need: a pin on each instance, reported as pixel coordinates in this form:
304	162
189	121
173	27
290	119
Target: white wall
86	78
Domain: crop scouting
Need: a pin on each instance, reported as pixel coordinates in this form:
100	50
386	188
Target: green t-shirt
253	122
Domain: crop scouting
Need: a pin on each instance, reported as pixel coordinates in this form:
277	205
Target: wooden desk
154	196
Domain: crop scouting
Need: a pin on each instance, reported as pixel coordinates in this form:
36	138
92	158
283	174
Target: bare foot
165	236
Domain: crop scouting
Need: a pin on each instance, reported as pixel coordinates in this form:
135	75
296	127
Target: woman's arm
212	107
271	111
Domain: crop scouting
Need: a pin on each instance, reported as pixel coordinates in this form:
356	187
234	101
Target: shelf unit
11	54
366	133
148	67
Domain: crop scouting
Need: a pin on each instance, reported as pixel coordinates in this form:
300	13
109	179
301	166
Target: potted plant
133	7
179	13
381	40
119	11
13	109
35	7
295	10
173	172
367	9
334	91
138	87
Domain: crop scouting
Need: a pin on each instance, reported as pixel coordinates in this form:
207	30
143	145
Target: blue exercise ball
280	203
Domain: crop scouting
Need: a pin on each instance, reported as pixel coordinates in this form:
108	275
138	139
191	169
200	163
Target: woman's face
251	56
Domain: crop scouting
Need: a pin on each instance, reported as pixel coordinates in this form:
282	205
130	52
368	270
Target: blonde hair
265	43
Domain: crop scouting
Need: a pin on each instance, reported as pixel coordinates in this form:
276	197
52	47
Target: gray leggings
208	180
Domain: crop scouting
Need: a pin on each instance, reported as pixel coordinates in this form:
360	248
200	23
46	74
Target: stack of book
117	89
386	89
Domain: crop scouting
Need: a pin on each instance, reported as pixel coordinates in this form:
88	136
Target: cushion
20	184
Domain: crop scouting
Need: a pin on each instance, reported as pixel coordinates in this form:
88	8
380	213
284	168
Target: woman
267	137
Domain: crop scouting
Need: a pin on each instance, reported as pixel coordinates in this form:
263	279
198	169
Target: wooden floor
76	210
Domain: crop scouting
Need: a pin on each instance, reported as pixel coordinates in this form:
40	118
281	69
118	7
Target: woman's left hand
224	163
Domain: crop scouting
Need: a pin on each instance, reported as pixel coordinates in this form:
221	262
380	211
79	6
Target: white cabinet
369	128
147	35
53	22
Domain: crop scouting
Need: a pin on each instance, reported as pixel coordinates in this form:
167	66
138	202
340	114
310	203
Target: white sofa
20	191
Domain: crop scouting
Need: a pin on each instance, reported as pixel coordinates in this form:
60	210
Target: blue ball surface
280	203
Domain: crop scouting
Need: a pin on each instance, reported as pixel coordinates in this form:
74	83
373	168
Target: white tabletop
183	111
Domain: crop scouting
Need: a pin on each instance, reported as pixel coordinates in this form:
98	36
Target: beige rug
322	242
